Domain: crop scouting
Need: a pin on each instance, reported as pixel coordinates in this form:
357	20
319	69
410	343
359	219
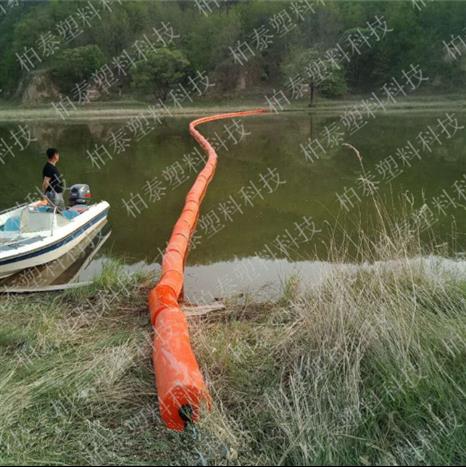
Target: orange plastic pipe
180	386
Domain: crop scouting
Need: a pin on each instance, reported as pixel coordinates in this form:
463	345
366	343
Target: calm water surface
237	240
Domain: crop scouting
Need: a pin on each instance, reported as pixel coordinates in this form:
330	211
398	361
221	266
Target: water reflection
71	268
274	142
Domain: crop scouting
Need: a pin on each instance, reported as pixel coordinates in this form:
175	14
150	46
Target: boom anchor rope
180	385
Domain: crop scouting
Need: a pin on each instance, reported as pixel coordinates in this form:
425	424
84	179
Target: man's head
52	155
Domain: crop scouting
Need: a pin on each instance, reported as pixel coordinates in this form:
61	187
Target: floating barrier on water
180	385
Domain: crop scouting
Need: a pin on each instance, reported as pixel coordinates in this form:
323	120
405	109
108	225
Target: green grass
368	368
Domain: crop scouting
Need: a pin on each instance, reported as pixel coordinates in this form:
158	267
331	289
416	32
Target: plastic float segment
180	385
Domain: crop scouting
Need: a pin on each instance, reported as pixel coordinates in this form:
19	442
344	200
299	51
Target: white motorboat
37	233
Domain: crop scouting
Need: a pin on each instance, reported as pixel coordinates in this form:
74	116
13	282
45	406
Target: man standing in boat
52	185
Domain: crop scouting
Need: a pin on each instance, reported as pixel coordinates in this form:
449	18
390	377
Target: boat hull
54	250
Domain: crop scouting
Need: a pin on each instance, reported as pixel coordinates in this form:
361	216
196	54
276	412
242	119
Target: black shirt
56	182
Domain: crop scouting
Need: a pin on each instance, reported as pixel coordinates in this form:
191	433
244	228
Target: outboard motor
80	195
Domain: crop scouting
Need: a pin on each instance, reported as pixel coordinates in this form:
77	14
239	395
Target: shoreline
120	110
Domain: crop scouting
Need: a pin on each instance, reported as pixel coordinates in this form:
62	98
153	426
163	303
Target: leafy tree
210	37
334	84
72	66
160	72
120	28
454	62
206	40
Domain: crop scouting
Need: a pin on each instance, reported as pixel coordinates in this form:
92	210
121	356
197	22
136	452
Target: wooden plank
202	310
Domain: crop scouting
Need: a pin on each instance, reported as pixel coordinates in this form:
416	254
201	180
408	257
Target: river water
287	192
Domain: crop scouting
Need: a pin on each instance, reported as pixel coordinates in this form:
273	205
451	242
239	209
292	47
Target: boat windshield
36	220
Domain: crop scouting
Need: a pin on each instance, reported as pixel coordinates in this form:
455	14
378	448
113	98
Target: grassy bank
121	110
367	368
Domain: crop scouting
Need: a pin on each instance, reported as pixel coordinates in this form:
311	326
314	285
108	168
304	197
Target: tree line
247	46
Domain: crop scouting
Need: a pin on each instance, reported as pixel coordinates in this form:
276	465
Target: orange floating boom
180	386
